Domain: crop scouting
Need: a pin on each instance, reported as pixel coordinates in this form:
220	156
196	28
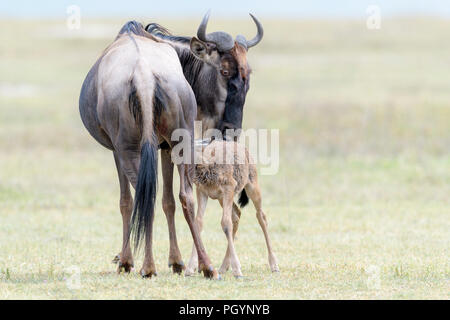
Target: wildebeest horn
248	44
222	40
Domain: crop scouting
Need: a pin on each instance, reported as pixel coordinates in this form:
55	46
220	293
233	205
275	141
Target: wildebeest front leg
187	203
125	258
168	204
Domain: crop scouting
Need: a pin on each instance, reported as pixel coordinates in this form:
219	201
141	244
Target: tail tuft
144	200
243	199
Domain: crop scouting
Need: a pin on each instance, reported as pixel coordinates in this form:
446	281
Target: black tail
243	199
144	199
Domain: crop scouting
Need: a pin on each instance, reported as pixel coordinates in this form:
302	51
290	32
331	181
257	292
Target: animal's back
109	83
129	52
225	162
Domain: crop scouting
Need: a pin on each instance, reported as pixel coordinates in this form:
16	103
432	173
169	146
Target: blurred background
360	206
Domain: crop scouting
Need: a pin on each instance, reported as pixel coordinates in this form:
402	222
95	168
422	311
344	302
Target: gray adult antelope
131	101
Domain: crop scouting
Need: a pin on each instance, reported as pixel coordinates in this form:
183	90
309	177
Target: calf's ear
198	48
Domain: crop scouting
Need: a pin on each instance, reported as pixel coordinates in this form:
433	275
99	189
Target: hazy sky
228	8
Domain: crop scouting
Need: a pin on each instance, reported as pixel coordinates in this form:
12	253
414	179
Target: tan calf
227	169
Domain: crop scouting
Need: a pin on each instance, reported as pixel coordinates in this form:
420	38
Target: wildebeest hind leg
129	161
168	204
125	257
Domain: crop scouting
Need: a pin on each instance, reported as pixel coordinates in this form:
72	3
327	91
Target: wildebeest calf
227	169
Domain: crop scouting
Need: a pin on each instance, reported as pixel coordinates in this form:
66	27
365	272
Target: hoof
239	277
177	267
124	267
148	274
210	273
189	272
275	269
223	270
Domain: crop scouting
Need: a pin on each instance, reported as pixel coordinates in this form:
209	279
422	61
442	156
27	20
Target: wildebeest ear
198	48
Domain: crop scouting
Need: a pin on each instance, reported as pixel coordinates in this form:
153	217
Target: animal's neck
209	94
204	85
192	67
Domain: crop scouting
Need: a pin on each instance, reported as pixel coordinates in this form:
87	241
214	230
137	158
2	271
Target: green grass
363	185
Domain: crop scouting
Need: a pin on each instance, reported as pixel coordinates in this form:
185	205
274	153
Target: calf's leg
254	194
227	227
227	259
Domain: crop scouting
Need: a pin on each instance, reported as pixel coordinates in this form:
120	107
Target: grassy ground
360	207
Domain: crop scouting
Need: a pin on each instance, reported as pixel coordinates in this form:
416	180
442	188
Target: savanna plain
359	208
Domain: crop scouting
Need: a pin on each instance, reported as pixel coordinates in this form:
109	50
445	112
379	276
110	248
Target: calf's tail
243	199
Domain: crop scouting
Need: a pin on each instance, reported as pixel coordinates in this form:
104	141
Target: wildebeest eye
225	73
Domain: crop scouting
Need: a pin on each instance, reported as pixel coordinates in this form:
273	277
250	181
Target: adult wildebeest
134	98
131	101
216	67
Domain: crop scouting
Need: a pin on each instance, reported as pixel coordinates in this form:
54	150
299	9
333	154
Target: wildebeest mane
163	33
192	67
190	64
133	27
